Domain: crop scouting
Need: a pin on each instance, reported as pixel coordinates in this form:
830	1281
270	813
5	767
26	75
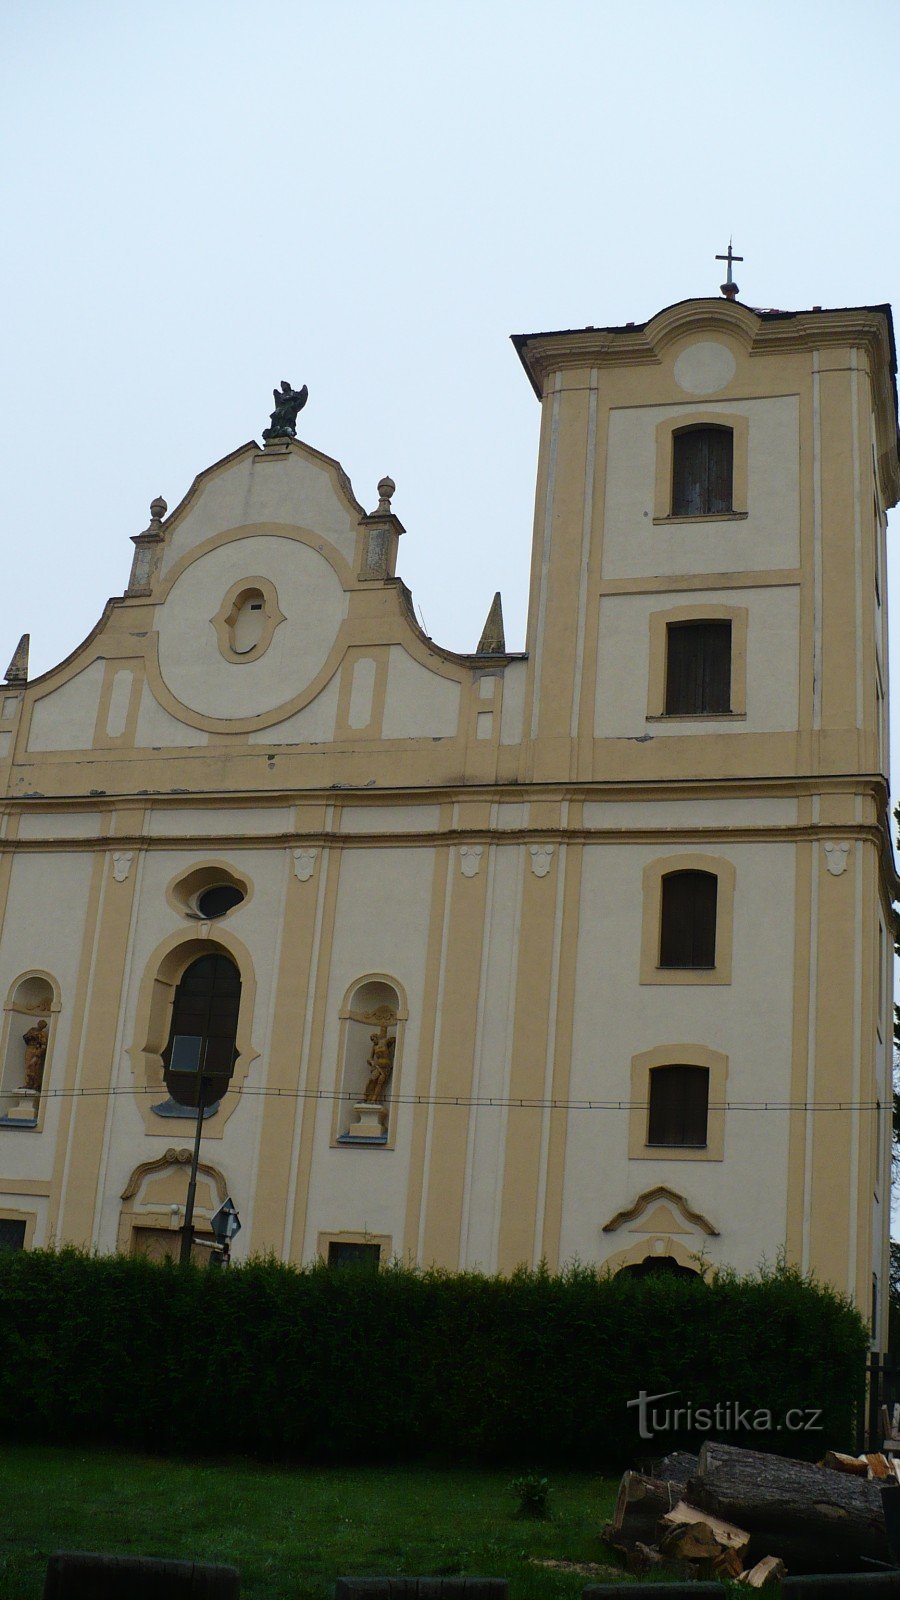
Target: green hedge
348	1365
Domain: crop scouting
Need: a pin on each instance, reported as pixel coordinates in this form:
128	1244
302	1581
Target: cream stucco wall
480	831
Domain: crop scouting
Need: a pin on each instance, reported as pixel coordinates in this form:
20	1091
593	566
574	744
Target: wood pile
751	1517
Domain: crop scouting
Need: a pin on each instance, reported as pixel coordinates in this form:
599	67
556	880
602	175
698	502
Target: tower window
698	668
687	936
679	1106
702	472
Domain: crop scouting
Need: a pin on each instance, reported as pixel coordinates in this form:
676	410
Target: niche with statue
28	1026
371	1020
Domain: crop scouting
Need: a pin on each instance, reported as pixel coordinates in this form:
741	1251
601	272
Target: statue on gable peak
288	402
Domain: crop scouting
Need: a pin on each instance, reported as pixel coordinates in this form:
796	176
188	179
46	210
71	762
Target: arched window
679	1106
702	471
660	1267
203	1028
687	922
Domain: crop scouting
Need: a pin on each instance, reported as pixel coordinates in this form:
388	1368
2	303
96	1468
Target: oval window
247	621
215	901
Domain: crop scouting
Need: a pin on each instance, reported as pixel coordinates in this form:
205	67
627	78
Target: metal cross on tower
729	288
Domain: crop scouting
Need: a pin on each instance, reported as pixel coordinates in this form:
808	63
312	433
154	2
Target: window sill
704	516
649	1146
707	967
696	716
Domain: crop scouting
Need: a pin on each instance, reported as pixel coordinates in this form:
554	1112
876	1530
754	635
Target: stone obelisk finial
17	671
493	639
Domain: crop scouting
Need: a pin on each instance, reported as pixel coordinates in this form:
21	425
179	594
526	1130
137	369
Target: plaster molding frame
651	922
669	1055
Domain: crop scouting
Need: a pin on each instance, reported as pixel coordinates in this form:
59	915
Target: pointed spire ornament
17	671
493	639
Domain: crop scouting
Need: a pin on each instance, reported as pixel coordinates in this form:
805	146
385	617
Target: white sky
369	196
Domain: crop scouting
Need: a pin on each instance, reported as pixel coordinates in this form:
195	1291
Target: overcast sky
203	199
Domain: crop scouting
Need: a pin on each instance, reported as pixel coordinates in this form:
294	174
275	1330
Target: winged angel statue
283	421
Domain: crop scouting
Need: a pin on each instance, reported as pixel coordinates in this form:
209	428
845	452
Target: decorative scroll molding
121	861
541	858
836	856
304	864
470	859
649	1198
172	1158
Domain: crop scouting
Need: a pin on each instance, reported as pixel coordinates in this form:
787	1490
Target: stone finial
385	492
493	639
17	671
158	509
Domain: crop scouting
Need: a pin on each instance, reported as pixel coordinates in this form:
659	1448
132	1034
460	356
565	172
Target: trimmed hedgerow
347	1365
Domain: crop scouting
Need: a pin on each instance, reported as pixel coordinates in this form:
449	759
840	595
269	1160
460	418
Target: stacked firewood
750	1517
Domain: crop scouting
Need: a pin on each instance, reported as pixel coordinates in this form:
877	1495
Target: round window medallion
704	368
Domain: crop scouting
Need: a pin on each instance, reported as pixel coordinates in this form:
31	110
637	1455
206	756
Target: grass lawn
291	1532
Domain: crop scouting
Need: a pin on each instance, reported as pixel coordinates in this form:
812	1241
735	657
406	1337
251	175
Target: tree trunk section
815	1519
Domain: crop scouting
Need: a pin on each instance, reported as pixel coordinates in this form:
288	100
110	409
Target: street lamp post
187	1231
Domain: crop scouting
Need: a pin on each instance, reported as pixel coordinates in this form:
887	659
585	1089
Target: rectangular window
698	668
343	1253
12	1234
687	924
679	1105
702	472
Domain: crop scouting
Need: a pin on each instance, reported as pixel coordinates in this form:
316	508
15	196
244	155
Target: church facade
576	953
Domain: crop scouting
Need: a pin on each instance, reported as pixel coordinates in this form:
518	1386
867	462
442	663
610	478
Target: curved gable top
761	332
289	485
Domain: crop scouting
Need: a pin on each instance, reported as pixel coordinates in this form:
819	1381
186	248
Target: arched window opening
679	1106
702	472
203	1029
246	621
661	1267
687	934
370	1025
29	1028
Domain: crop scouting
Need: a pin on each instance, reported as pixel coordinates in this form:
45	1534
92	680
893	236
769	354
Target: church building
576	952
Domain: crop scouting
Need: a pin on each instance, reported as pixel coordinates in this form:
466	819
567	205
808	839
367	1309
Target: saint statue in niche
35	1055
380	1065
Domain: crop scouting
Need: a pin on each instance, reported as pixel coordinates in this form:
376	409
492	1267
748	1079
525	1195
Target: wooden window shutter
698	668
688	919
702	472
679	1105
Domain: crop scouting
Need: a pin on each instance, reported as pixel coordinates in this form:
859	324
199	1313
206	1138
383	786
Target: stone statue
35	1055
380	1065
283	422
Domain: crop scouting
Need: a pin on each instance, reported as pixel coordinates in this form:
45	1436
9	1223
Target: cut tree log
769	1570
726	1534
838	1462
677	1467
640	1505
815	1519
696	1542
